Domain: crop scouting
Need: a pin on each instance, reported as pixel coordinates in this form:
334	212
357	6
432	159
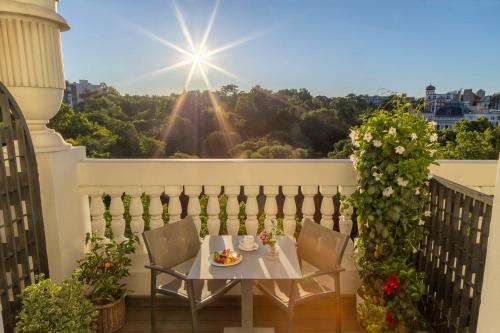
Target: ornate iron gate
22	239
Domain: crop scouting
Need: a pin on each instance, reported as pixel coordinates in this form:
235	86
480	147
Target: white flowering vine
388	191
402	182
395	151
399	150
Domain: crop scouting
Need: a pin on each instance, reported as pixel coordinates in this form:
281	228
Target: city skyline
313	47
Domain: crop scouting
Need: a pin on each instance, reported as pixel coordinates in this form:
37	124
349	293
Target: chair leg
153	314
192	305
153	302
337	304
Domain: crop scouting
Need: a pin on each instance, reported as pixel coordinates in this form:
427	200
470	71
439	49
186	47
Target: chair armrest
168	271
319	273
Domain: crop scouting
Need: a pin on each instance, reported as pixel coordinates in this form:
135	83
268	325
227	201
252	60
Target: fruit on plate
226	257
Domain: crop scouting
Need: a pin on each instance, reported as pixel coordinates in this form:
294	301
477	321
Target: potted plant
55	307
270	238
392	155
102	271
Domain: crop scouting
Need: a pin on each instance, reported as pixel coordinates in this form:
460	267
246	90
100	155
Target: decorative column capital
32	66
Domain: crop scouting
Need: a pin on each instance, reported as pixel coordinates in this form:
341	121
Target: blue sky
329	47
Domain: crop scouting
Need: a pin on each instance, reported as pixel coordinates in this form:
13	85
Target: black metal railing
453	255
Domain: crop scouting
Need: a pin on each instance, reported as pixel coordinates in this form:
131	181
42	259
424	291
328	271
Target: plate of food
225	258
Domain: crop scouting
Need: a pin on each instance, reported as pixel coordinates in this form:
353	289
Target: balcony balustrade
290	190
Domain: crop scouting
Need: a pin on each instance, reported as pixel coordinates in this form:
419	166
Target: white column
155	206
489	320
327	207
251	209
271	206
193	208
174	203
213	209
31	65
116	209
345	225
232	209
308	208
31	68
289	209
136	210
98	224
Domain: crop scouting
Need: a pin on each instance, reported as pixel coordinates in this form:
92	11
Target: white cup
248	242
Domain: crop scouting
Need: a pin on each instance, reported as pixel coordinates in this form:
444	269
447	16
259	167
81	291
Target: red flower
389	319
264	236
391	285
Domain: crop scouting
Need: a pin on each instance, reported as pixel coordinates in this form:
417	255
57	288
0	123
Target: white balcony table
254	266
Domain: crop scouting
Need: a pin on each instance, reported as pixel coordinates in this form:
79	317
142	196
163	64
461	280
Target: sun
197	54
197	58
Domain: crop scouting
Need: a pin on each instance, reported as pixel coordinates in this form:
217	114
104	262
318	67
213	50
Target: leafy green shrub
392	155
104	267
52	307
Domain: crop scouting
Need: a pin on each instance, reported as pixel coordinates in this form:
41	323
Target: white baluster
345	225
327	207
174	203
193	208
289	209
270	207
251	210
232	209
116	209
308	208
98	224
136	210
155	207
213	209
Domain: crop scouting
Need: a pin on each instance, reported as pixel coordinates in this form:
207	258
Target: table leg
247	305
247	312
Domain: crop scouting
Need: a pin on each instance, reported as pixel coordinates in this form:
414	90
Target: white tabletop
254	264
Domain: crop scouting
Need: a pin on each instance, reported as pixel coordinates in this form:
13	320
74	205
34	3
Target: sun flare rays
198	56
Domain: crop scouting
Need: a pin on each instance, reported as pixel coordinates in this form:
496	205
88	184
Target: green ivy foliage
50	307
392	154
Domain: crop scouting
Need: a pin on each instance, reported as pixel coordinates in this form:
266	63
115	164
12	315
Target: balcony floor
174	316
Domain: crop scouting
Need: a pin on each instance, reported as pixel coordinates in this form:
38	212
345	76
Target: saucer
254	248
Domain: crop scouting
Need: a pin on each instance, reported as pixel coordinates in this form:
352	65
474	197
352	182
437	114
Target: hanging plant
392	155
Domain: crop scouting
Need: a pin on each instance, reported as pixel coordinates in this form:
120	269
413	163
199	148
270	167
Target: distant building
492	115
434	101
468	97
377	100
75	92
447	115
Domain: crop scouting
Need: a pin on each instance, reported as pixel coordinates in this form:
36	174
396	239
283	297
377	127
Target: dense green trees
256	124
470	140
259	123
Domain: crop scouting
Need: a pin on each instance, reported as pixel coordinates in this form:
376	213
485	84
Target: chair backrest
321	247
172	244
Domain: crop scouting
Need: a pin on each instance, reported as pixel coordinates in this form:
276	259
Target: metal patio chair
322	248
171	250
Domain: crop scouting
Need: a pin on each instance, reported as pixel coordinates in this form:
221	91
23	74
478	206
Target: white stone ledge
101	173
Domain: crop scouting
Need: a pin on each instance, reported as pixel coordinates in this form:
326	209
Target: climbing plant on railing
392	155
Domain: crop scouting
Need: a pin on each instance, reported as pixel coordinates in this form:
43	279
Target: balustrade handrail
487	199
144	172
